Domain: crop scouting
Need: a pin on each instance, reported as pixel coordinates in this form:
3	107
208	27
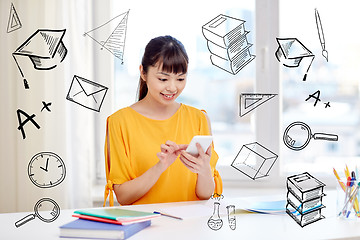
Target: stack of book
227	43
106	223
304	198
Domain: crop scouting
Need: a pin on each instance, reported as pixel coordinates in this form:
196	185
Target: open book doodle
111	35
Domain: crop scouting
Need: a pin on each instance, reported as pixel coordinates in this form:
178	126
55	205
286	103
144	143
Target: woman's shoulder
201	113
196	114
193	109
120	114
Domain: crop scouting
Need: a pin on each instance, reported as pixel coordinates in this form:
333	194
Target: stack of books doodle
227	43
304	198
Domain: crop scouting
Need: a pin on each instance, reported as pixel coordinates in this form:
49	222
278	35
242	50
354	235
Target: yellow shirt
132	141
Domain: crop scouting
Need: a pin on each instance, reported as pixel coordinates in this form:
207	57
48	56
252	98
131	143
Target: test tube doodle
231	216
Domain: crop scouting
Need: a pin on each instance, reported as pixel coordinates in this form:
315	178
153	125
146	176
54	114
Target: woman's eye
162	79
181	79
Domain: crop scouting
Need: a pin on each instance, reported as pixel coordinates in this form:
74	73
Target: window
218	92
208	87
335	83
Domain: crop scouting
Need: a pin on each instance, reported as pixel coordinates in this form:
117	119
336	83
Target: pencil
339	180
347	172
356	203
168	215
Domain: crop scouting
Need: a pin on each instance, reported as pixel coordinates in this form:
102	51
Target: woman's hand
169	152
199	164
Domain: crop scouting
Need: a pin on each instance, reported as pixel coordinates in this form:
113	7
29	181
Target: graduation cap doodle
45	49
291	52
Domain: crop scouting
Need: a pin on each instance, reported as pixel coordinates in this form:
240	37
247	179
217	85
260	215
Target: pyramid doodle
14	20
111	35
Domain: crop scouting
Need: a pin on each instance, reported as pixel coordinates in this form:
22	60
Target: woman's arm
200	164
130	191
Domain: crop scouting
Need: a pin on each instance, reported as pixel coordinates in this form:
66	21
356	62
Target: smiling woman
168	56
135	170
168	85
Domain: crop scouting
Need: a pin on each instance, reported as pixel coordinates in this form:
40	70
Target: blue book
81	228
268	207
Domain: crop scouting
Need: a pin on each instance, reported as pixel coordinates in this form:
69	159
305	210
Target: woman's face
163	87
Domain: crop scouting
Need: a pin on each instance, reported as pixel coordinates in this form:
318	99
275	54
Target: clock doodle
46	170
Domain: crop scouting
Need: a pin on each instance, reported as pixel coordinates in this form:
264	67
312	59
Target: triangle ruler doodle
250	101
111	35
14	20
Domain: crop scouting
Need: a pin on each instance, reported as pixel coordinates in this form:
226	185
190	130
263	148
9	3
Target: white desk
248	226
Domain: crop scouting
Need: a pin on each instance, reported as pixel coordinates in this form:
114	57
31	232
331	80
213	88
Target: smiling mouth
168	96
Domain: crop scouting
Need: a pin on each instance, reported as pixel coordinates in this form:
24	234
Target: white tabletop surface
248	226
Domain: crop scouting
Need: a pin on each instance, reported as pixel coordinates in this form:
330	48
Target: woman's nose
171	87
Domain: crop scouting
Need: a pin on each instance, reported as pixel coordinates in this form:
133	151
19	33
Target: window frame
266	81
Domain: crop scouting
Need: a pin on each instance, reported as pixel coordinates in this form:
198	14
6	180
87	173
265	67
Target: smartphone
203	140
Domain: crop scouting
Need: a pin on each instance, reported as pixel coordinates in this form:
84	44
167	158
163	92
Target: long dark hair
169	53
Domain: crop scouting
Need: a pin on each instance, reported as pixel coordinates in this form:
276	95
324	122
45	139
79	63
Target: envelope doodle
86	93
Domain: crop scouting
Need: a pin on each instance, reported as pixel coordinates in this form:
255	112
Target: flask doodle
215	222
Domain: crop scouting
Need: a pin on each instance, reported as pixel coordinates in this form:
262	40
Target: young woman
145	155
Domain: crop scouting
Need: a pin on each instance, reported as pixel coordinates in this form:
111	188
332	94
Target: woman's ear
142	73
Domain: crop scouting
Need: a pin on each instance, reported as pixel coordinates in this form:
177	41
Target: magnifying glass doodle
298	135
45	209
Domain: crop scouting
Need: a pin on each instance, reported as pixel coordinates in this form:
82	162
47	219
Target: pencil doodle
86	93
46	209
231	216
298	135
46	170
321	35
250	101
227	42
304	198
46	106
22	123
254	160
45	49
111	37
14	22
291	52
215	222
